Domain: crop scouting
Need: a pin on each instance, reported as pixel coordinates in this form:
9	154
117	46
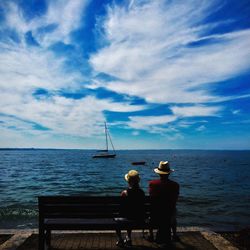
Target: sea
214	185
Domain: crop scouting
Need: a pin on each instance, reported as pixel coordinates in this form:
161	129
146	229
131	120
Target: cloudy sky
163	74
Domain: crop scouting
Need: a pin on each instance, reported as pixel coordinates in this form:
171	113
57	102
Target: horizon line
193	149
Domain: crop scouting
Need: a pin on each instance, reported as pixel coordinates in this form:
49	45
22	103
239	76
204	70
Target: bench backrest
82	207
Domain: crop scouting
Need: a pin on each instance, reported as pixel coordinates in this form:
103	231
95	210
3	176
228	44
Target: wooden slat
79	199
84	199
82	207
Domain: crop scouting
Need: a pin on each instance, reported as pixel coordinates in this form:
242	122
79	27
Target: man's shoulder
174	183
155	182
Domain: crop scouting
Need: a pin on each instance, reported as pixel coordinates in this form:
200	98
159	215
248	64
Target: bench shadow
31	243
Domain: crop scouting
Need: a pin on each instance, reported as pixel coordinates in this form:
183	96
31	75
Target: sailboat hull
138	163
105	156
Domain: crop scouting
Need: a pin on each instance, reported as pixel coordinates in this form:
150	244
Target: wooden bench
82	213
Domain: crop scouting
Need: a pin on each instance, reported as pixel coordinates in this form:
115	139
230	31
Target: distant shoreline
184	149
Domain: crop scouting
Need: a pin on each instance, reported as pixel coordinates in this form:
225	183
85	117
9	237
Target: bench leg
41	239
48	239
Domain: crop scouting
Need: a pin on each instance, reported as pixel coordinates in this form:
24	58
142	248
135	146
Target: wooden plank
109	241
55	241
47	202
102	242
69	242
4	238
62	242
89	241
78	199
83	241
98	240
73	241
15	241
202	243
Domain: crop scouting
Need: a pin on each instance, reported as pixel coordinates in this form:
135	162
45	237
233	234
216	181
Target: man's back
165	192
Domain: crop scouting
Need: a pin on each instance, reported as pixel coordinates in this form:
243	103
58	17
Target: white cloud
141	122
196	110
162	124
187	123
236	111
149	52
25	69
83	117
135	133
201	128
12	123
14	18
152	124
62	15
65	15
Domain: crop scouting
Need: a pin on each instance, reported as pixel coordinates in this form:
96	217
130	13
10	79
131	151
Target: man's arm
152	188
124	193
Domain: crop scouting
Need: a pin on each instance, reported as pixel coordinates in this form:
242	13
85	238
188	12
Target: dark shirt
132	205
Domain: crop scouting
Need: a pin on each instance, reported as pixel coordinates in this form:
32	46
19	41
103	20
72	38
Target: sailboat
105	153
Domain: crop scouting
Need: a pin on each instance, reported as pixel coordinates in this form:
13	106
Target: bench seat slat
81	215
80	199
80	223
75	208
91	224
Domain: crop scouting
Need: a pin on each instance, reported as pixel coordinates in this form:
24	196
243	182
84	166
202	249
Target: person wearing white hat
132	208
165	193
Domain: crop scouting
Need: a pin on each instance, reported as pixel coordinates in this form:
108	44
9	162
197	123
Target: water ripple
214	185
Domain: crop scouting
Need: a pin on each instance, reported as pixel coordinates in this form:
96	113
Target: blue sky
163	74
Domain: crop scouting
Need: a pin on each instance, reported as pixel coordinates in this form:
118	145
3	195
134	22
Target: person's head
163	169
133	178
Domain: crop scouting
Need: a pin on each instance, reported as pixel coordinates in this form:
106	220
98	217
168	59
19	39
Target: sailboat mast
107	146
111	142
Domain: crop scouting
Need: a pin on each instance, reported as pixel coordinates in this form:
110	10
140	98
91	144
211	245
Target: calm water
215	185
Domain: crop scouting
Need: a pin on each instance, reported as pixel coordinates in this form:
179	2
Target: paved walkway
191	238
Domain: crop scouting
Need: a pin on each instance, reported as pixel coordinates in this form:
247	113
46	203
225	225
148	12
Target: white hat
163	168
132	175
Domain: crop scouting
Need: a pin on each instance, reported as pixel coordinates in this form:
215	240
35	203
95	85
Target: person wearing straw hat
132	207
165	193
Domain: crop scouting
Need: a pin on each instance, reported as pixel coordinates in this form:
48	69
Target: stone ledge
218	241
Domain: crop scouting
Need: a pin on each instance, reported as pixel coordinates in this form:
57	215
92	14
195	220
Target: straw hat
163	168
132	175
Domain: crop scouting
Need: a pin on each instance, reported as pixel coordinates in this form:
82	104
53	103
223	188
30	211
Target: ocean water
214	185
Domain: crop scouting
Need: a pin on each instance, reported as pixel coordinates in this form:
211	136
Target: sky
162	74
